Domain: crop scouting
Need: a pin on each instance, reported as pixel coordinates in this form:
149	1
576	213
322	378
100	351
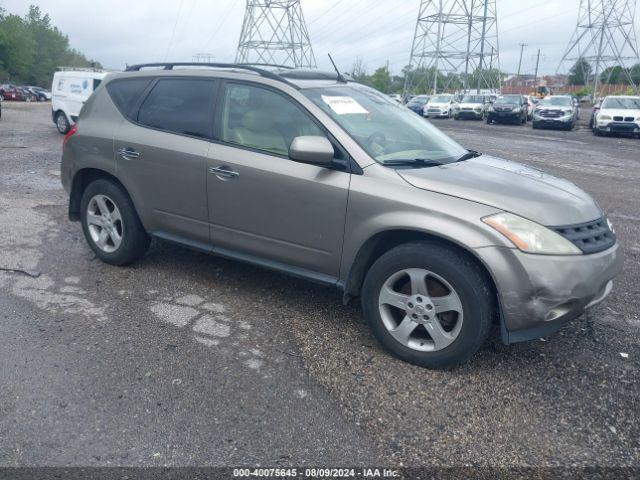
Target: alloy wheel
421	310
104	223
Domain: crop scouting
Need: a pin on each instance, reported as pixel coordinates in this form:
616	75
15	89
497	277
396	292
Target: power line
325	12
173	32
216	30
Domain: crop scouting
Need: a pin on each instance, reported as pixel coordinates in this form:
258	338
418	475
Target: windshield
472	99
622	103
508	101
441	99
557	102
385	130
418	101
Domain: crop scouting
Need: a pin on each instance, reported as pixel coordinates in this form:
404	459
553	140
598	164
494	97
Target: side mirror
313	150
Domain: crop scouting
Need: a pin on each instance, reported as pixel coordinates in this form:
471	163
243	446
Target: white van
70	89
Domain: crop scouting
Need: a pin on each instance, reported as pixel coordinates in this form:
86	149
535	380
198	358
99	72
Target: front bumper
436	113
619	127
505	116
553	122
539	294
468	114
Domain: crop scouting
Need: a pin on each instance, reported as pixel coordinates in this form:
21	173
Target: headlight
531	237
610	225
516	109
604	117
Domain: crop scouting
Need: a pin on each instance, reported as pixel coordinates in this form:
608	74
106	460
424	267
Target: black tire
62	123
135	240
468	280
535	125
488	120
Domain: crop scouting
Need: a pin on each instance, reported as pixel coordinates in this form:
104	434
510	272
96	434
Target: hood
564	108
470	105
620	112
438	104
509	186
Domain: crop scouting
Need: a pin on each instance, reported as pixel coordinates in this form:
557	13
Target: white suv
618	115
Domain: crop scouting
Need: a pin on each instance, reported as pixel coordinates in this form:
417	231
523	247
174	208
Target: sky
121	32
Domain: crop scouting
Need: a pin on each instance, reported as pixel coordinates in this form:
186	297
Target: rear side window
180	105
125	93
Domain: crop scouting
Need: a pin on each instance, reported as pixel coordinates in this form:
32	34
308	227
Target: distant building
554	82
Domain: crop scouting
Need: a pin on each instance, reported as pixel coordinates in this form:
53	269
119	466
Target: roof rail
241	66
82	69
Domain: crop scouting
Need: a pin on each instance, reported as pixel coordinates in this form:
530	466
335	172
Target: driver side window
259	118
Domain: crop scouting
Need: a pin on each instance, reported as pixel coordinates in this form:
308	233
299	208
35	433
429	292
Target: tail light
72	130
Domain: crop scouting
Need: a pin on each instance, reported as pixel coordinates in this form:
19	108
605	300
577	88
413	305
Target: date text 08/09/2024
315	473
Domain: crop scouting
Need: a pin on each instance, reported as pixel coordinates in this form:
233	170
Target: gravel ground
185	359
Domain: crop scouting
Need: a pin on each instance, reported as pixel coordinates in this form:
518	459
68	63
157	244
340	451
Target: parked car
618	115
439	106
531	106
417	103
326	179
508	109
594	112
70	90
1	100
11	92
471	107
41	94
556	111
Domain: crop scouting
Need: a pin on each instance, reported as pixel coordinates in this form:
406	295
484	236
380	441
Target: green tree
580	72
614	76
31	48
635	74
16	47
381	80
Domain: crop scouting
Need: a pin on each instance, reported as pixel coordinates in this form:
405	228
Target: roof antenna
341	79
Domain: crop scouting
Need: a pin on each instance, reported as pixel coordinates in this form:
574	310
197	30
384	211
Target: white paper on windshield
344	105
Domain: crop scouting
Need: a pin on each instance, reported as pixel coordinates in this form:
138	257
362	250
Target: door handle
223	172
128	153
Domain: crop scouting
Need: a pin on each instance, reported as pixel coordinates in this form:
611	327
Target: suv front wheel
111	225
427	304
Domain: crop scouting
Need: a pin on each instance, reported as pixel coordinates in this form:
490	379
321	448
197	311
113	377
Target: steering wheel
378	142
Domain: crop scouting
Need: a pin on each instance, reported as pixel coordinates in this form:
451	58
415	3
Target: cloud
119	32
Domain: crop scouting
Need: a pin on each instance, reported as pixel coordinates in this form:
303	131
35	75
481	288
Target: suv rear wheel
111	225
427	304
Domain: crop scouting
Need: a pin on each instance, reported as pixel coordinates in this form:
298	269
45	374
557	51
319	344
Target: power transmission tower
455	36
204	58
605	38
274	32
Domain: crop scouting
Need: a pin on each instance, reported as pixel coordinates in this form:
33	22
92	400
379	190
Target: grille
628	119
618	119
590	237
551	113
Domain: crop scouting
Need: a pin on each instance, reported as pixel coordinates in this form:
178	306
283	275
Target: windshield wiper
416	162
468	156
